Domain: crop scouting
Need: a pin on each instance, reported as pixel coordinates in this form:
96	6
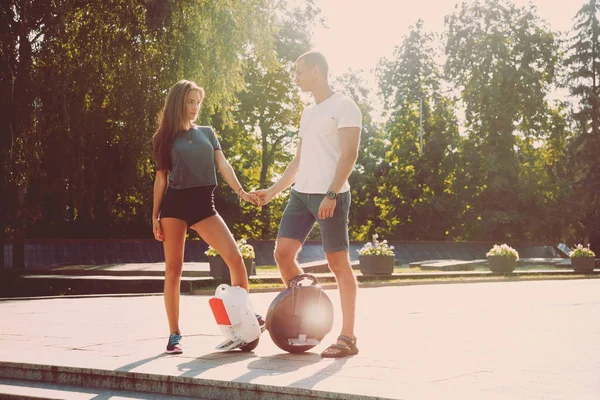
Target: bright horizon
360	33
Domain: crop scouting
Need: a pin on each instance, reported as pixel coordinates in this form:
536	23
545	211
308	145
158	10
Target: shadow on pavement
130	366
281	364
310	381
199	365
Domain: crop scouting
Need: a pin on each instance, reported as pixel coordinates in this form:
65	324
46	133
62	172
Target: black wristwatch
331	195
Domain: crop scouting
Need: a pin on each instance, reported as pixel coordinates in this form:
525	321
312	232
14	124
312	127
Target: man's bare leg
339	263
286	250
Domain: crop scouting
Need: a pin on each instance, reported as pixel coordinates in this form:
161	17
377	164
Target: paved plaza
496	340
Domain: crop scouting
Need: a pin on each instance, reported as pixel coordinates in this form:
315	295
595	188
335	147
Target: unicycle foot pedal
302	340
230	345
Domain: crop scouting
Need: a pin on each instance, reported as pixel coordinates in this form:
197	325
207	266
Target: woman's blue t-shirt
193	158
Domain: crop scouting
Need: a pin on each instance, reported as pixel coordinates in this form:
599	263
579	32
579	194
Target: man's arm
349	142
287	179
289	175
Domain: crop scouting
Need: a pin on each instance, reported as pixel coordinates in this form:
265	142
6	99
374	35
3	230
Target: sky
360	32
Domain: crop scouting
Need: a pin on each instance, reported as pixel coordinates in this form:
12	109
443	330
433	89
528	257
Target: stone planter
583	264
220	270
250	266
376	264
500	264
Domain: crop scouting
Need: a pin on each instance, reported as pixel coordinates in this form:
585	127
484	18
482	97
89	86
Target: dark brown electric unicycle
300	316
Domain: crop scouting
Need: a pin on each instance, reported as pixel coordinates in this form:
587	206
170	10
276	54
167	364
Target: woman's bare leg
215	232
174	245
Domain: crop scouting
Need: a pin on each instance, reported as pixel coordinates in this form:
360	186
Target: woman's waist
191	189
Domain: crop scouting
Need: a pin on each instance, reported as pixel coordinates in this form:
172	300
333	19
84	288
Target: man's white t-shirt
321	150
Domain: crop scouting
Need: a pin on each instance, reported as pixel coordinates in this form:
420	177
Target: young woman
185	156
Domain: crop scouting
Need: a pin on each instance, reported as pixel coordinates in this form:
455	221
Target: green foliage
364	213
416	198
503	60
91	77
263	139
583	60
583	63
580	251
546	205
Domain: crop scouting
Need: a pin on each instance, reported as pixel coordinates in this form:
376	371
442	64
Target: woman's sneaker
173	347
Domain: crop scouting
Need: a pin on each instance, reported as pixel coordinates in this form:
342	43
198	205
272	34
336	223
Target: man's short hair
315	59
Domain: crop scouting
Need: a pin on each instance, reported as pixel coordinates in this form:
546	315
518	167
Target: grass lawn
267	269
272	269
257	285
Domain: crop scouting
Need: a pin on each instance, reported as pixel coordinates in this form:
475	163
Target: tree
90	80
583	62
416	199
267	117
545	198
502	59
23	25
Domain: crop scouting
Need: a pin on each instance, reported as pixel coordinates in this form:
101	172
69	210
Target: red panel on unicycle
219	311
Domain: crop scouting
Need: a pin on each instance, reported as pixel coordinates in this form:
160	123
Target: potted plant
376	258
218	267
248	255
582	259
502	258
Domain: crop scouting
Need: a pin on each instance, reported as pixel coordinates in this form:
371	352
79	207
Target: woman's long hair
172	119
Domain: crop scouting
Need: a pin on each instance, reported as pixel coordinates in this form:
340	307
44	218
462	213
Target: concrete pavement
496	340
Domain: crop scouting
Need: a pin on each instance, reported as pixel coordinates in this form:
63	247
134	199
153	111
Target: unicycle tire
284	317
250	346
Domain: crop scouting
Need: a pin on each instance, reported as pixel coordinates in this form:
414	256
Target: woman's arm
229	175
160	185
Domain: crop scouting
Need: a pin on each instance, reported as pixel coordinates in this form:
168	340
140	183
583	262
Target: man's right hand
263	196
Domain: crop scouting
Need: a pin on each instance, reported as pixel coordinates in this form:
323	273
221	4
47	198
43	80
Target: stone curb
365	281
161	384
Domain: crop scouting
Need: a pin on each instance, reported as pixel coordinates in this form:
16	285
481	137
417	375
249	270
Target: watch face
331	195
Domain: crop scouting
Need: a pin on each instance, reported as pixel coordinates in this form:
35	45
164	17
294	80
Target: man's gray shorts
301	213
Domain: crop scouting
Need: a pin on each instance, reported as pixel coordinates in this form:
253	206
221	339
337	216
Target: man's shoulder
345	99
346	104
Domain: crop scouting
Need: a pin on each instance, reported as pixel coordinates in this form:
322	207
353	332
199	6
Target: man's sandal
344	349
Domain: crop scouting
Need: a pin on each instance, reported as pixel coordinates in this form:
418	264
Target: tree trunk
6	82
3	206
18	248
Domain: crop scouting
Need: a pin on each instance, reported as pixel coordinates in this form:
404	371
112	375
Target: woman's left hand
250	198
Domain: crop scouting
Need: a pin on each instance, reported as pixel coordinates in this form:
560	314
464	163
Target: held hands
249	197
158	234
262	196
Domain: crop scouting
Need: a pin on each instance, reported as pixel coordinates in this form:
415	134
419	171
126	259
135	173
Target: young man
327	151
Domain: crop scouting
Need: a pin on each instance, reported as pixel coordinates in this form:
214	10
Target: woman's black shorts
190	205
